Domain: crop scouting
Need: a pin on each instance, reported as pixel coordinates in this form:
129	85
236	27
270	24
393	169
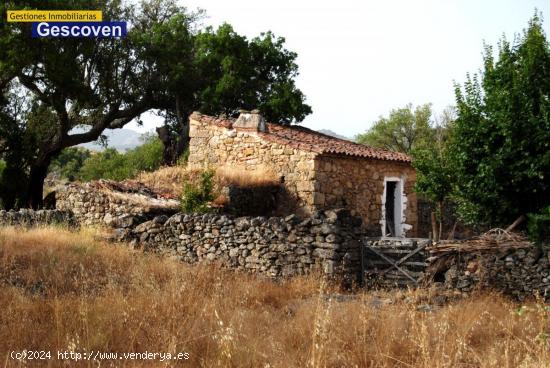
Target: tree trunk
174	144
440	233
434	227
35	190
175	140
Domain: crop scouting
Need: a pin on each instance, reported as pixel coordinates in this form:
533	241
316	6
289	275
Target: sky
358	60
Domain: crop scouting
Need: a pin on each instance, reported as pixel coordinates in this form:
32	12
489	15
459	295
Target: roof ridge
304	138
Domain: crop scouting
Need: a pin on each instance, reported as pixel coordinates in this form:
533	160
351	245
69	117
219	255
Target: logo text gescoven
79	29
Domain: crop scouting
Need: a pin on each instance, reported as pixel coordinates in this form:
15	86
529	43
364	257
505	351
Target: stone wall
275	246
520	273
359	185
25	217
213	145
93	204
329	242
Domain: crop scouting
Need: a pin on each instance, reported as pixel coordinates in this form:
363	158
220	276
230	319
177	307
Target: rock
108	219
426	308
161	219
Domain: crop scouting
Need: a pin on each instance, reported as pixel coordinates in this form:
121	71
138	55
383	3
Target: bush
538	226
499	147
110	164
69	162
195	197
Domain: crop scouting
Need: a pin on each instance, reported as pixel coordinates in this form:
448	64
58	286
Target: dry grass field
63	291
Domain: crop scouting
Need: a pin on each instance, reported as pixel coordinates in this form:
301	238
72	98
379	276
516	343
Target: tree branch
114	119
28	83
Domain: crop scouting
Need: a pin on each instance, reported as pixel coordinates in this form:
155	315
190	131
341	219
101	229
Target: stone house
317	171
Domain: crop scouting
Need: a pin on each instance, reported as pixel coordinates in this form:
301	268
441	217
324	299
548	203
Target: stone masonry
329	242
519	273
91	204
275	246
317	172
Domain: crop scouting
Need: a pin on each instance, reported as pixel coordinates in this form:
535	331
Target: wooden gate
394	262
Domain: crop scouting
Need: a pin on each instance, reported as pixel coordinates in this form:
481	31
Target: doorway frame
399	207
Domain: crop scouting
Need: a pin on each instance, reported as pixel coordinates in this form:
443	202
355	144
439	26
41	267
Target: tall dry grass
230	175
168	179
65	291
171	179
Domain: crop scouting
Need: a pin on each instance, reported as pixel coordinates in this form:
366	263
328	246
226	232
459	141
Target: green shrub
538	226
182	160
195	197
110	164
147	157
69	162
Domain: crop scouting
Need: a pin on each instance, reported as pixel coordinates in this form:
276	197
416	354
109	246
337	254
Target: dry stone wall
92	205
520	273
275	246
329	241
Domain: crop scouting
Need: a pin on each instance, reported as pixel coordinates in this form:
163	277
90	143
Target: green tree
501	142
15	148
434	169
164	63
110	164
69	162
224	73
404	130
98	83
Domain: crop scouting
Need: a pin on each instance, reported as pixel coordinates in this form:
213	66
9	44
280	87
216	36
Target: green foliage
434	174
107	164
195	197
434	169
2	167
403	131
182	160
501	141
69	162
538	226
236	73
110	164
15	149
166	62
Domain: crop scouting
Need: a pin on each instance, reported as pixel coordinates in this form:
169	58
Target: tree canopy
404	130
501	142
166	62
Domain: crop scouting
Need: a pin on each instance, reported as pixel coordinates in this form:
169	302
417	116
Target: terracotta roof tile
310	140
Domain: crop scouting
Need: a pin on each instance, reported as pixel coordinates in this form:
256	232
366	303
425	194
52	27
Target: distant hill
333	134
120	139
